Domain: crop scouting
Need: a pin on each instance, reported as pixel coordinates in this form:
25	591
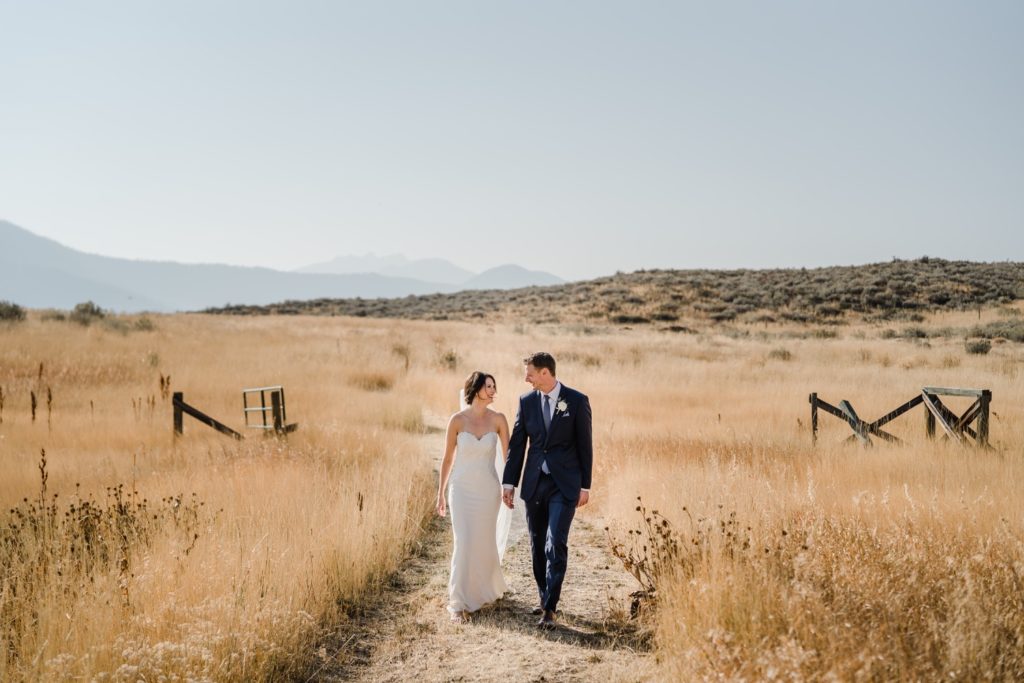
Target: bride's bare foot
460	617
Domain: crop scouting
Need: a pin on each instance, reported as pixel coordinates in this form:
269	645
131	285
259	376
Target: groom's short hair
541	359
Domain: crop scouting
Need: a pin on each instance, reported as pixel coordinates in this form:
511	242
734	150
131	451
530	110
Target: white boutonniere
562	406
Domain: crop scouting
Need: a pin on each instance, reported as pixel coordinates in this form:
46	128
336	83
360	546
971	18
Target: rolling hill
899	289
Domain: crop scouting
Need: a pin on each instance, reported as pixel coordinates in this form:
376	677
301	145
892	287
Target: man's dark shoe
547	622
537	611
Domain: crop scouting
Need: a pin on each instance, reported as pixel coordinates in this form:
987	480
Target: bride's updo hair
474	383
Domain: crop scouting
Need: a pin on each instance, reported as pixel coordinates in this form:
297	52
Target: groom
556	421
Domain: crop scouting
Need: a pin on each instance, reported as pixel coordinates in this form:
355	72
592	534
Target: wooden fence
955	427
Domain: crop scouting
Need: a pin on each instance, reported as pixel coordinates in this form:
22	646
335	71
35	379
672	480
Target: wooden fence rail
181	408
955	427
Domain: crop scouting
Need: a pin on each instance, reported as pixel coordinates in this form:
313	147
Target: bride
470	468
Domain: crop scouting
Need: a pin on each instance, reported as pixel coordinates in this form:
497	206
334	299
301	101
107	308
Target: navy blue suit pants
548	517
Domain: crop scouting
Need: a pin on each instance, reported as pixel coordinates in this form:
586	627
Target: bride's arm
446	463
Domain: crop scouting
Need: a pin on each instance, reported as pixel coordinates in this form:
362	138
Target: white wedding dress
474	502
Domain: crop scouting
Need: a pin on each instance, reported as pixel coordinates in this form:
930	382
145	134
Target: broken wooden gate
955	427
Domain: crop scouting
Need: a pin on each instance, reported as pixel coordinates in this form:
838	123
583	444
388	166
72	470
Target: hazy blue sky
576	137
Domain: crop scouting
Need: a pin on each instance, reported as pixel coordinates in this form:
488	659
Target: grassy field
217	559
783	561
767	557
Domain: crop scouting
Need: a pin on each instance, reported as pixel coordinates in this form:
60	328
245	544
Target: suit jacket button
545	450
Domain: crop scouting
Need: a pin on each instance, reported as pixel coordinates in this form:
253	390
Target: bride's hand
442	505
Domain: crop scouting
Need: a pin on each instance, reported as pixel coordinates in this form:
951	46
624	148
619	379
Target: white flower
562	406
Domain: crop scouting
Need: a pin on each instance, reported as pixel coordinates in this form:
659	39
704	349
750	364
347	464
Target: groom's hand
508	497
584	499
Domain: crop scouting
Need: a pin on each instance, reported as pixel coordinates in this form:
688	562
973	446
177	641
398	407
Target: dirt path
406	635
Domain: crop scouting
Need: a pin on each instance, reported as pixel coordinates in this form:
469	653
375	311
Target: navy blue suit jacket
568	448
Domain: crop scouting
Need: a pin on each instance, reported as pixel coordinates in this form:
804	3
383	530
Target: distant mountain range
435	270
38	272
394	265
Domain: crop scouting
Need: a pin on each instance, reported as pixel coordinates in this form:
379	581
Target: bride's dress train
474	502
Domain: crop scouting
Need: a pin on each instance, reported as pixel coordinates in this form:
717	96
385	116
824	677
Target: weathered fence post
275	406
813	398
177	401
984	400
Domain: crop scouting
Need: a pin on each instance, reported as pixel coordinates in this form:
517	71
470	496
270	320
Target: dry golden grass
810	562
795	561
290	534
792	562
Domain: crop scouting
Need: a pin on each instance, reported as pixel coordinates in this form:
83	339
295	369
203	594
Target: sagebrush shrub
11	311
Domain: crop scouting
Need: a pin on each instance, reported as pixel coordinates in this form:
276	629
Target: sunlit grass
895	562
286	535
